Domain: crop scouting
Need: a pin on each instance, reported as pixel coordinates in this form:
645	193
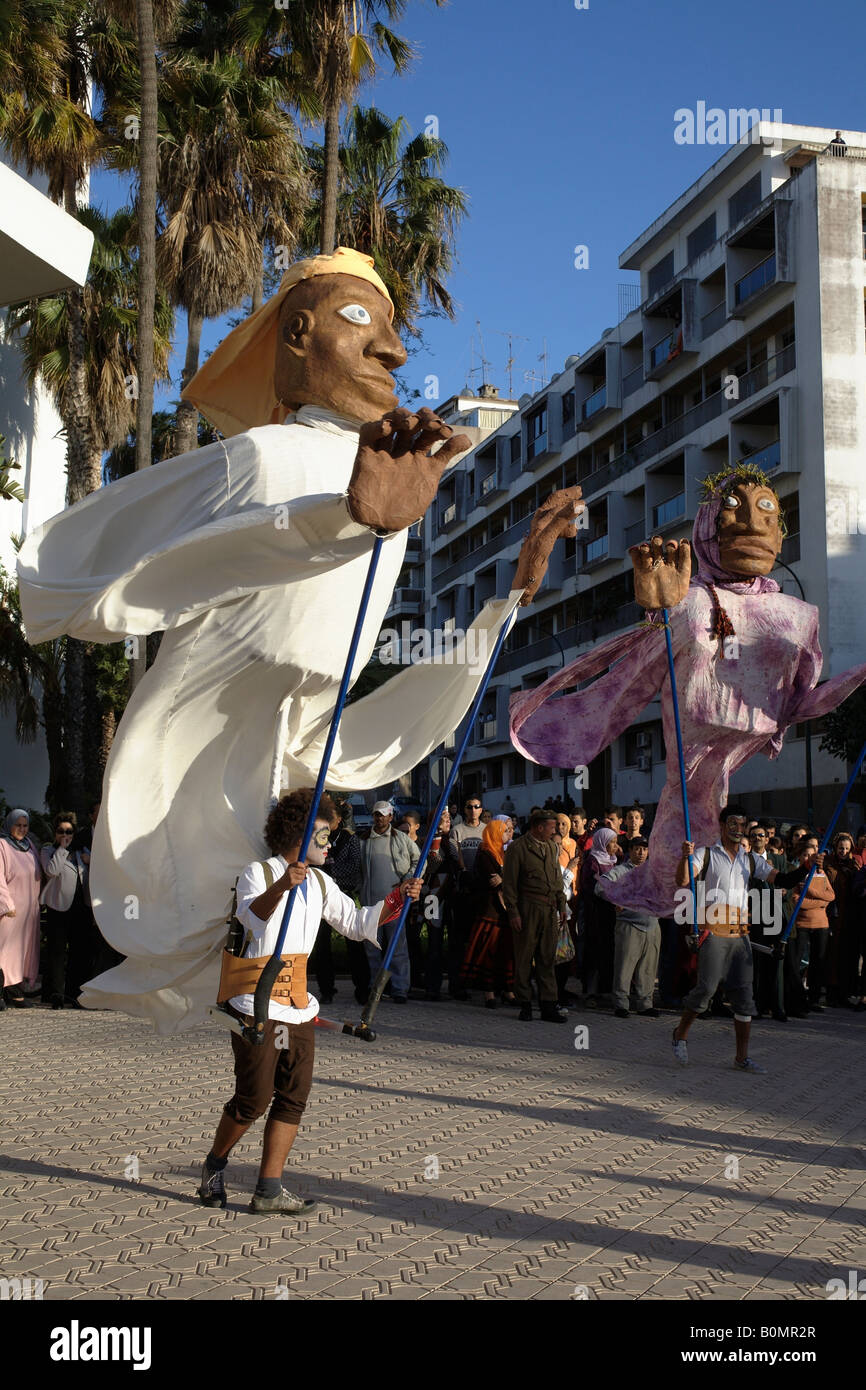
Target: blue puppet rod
255	1032
840	806
680	759
385	969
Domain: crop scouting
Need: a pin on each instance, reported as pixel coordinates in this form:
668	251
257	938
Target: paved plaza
463	1155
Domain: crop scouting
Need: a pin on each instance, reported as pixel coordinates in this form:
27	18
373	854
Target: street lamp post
809	807
564	770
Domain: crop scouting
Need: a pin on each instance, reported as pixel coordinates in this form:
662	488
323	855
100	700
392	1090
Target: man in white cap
388	856
232	551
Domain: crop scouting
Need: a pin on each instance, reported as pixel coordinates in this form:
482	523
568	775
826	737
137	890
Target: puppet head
739	528
325	338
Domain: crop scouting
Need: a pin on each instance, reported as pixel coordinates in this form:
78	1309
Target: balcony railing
757	279
595	550
490	483
486	729
597	401
632	381
661	351
537	446
449	514
407	598
670	510
714	319
767	458
635	533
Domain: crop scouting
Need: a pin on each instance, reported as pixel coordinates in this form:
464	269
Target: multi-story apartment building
748	343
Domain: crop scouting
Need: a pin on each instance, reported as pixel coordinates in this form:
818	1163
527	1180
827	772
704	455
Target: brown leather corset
240	975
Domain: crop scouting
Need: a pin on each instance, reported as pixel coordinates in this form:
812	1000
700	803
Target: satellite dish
524	399
572	360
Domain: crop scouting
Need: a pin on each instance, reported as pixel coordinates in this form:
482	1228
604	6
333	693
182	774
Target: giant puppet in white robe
246	554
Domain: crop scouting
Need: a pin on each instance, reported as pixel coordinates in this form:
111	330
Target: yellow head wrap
235	387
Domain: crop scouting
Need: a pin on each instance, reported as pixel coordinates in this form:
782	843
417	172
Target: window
702	237
518	771
661	273
568	414
744	200
536	433
515	448
494	773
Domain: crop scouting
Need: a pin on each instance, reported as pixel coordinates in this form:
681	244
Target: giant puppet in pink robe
747	661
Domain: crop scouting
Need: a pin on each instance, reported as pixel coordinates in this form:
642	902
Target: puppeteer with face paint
747	661
251	554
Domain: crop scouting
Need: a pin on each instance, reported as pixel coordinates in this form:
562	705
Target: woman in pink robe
747	661
20	882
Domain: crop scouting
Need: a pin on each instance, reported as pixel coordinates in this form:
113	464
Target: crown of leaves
717	484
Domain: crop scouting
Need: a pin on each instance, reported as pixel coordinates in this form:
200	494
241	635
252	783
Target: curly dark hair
284	827
65	816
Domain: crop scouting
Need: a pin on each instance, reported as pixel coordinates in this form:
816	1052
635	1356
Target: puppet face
750	530
336	348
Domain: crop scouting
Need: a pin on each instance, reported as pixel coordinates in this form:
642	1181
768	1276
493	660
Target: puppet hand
556	517
662	571
395	478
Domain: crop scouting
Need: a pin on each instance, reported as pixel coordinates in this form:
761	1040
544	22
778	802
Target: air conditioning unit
644	762
644	740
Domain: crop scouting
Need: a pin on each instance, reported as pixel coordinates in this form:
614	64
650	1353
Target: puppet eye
732	501
355	313
766	504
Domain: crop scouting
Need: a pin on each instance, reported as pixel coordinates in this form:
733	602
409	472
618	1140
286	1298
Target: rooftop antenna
542	357
509	364
484	363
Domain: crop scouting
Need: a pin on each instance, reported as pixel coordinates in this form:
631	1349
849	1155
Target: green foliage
845	728
9	489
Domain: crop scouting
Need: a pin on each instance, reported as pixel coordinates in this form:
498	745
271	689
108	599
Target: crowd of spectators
511	913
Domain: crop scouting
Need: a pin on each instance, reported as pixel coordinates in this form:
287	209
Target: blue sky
560	126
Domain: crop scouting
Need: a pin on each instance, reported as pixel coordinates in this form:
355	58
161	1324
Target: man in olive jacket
533	891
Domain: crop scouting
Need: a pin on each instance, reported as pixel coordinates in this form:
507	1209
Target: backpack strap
702	872
320	877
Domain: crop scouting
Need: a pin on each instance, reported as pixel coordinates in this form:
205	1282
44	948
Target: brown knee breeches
268	1075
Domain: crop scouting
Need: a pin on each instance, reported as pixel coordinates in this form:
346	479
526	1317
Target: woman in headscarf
20	882
489	959
568	845
599	918
747	661
843	973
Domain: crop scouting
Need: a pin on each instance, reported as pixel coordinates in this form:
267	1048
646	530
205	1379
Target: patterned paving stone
605	1169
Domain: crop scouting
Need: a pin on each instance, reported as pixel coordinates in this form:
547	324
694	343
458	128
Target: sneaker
525	1015
749	1065
212	1188
648	1013
621	1013
284	1201
681	1051
552	1013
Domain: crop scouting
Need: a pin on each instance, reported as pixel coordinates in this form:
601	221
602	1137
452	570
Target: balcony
632	381
594	403
447	515
768	458
486	729
491	484
664	350
712	321
536	449
596	550
406	601
673	509
635	533
757	279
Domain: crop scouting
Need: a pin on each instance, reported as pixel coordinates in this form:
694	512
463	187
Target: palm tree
395	205
24	670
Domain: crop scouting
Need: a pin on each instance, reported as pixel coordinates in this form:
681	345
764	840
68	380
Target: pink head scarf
600	841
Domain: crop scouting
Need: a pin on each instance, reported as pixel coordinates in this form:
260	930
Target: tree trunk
328	235
147	174
74	714
57	792
258	295
187	413
108	729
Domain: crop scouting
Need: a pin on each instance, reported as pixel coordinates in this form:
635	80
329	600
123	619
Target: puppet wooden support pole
255	1032
840	806
681	760
385	970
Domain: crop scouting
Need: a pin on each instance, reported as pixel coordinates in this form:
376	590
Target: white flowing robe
245	553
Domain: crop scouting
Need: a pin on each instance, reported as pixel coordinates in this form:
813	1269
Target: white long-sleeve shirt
356	923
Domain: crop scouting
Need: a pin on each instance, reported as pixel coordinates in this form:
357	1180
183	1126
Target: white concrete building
42	250
748	343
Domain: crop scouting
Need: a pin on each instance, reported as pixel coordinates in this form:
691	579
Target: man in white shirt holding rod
277	1075
722	874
